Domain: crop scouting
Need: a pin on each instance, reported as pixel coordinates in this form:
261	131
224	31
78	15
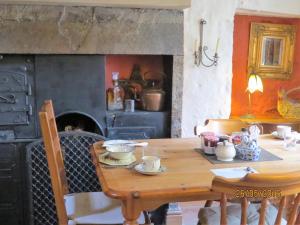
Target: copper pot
153	99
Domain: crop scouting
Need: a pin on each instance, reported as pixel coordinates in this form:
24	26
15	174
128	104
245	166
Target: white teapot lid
225	143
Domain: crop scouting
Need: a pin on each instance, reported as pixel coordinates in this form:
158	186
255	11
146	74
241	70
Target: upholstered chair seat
92	207
212	215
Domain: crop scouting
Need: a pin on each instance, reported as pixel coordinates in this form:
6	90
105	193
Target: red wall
124	64
263	104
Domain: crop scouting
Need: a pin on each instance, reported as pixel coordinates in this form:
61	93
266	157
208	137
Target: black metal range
76	84
16	98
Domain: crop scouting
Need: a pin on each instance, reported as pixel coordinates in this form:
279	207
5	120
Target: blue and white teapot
248	148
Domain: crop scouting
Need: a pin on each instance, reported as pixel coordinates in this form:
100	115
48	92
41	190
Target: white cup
151	163
284	131
289	142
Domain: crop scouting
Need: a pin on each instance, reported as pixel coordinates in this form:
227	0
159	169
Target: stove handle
9	99
29	90
114	118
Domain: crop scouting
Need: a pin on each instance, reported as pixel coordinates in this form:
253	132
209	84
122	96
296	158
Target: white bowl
117	142
120	151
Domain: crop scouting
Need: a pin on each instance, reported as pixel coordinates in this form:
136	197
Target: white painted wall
207	91
283	7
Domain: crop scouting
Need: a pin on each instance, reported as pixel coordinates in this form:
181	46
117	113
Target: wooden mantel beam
159	4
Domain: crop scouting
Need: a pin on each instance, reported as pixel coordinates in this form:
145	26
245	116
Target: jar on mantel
115	95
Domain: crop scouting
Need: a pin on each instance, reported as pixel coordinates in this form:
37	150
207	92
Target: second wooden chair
77	208
221	126
261	187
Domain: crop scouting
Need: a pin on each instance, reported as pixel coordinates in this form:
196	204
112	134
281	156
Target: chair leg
208	203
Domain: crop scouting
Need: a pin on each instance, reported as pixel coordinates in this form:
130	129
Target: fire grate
80	173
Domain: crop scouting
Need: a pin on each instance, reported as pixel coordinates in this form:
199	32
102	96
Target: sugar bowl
225	151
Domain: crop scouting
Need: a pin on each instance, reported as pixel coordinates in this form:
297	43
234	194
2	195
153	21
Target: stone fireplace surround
97	30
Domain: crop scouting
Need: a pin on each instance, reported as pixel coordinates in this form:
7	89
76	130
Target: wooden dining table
187	177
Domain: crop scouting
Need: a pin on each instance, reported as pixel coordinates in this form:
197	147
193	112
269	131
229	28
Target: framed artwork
271	50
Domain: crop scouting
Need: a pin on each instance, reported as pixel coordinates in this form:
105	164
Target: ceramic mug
151	163
284	131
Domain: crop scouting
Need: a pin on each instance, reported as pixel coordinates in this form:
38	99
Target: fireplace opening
75	121
141	72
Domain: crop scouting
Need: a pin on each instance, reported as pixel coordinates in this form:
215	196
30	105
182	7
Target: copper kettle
153	97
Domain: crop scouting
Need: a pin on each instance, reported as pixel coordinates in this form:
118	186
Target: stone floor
190	212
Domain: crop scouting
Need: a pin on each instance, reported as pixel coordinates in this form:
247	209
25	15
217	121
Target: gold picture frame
271	50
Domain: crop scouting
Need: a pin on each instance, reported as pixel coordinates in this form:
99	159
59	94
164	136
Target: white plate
117	142
140	169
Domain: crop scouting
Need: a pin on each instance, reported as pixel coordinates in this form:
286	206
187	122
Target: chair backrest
55	159
221	126
264	187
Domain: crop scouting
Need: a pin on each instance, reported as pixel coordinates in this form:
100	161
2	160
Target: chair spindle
223	204
244	211
280	210
263	208
292	218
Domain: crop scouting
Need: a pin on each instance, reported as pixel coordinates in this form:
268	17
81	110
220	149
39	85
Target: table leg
131	212
128	222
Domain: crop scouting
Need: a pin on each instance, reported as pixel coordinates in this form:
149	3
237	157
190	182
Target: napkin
237	172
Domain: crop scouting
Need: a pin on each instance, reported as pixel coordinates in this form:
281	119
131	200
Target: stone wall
97	30
90	30
177	92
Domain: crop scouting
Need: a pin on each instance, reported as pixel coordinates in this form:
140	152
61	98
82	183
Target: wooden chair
224	126
79	208
221	126
263	187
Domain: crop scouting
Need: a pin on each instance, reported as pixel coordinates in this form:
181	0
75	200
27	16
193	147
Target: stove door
15	108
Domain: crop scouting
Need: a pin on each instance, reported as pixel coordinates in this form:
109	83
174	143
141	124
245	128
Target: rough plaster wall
207	91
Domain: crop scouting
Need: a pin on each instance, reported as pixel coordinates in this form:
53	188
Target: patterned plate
106	159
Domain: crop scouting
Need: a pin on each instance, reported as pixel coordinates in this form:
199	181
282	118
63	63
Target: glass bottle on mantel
115	95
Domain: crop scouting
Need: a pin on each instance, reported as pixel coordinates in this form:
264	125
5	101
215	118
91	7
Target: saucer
139	168
106	159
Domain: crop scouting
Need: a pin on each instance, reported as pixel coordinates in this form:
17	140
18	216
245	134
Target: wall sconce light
200	50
